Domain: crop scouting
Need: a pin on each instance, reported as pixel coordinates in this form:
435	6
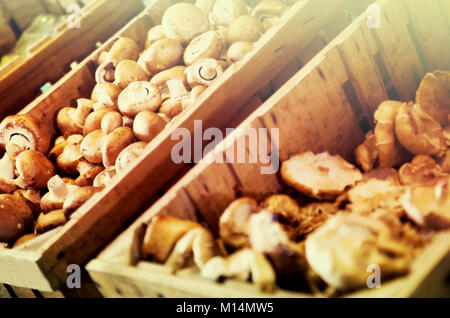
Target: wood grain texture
320	109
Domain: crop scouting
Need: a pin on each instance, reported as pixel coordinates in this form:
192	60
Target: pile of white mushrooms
337	222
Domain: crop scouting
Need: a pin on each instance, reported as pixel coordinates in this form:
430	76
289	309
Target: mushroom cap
24	239
66	123
171	107
184	21
68	160
129	155
29	128
234	220
176	72
34	169
49	221
154	34
225	11
94	120
208	44
137	97
321	176
104	177
433	96
422	170
269	9
124	49
106	94
114	143
205	5
366	154
245	28
77	198
390	151
147	125
87	178
92	145
203	72
111	121
284	205
32	199
418	132
105	73
15	217
162	234
238	50
128	72
161	55
334	251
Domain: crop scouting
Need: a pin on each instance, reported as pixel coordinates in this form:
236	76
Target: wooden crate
324	106
42	263
50	58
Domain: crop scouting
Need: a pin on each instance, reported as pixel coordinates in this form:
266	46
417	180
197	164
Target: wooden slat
4	293
52	60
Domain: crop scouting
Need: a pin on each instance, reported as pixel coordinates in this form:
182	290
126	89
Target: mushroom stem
7	166
110	173
83	110
17	144
176	88
57	187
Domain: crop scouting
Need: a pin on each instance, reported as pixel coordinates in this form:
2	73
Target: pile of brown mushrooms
136	95
336	221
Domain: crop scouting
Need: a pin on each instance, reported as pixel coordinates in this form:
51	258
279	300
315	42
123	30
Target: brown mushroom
423	170
129	155
203	72
269	12
321	176
16	218
171	107
242	265
105	95
105	73
23	132
154	34
206	45
88	172
7	176
225	11
171	83
123	49
111	121
68	160
138	97
57	150
128	72
114	143
32	198
245	28
197	244
58	191
184	21
25	239
433	96
366	154
77	197
418	132
390	151
103	179
334	251
92	145
161	55
94	120
162	234
238	50
233	222
34	170
50	221
71	120
429	206
147	125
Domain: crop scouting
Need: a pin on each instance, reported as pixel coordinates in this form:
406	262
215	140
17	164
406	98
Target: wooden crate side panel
53	59
4	292
429	26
